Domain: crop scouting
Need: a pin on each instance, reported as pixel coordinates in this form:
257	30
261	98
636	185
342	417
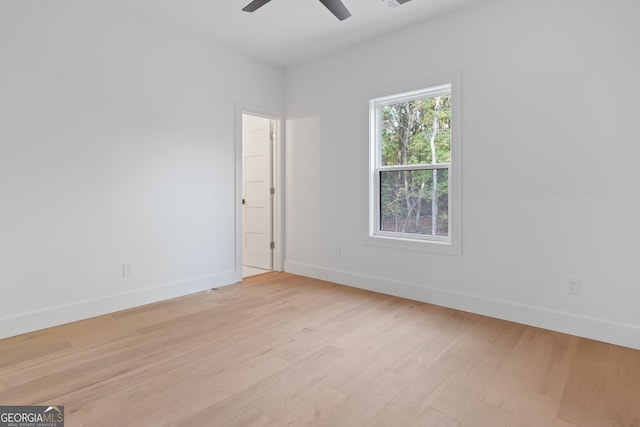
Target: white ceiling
285	32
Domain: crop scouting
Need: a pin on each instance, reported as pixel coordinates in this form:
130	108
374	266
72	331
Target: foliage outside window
411	149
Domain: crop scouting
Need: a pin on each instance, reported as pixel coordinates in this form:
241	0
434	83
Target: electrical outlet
338	252
127	270
573	286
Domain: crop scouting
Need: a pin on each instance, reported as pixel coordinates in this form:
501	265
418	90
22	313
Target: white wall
550	151
117	143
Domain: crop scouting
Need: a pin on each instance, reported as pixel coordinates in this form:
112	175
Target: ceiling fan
335	6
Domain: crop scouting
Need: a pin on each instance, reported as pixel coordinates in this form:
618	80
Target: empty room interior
320	213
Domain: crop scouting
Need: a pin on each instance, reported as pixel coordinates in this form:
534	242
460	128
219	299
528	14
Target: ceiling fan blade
337	8
402	1
254	5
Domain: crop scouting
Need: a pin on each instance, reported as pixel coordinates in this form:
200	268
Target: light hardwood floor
280	350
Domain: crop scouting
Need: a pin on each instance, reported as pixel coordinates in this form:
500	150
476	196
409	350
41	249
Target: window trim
452	243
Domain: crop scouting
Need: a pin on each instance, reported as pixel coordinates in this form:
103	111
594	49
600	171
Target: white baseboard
582	326
79	310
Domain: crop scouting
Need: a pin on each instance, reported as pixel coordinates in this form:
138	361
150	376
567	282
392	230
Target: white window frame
450	244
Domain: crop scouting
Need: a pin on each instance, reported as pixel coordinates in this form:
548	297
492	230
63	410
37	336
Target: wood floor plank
252	418
183	389
284	350
583	400
531	381
623	387
32	346
271	393
484	349
311	408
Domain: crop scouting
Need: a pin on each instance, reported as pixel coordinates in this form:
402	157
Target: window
412	160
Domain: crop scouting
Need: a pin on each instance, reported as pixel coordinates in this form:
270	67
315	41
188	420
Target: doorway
258	194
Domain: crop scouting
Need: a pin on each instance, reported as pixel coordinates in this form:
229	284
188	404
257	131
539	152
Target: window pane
409	201
415	132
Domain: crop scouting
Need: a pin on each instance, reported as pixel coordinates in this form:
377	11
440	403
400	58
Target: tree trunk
419	207
405	138
434	190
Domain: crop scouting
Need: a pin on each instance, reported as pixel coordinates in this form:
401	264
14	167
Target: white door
256	192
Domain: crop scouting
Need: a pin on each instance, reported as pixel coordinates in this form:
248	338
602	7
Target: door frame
278	184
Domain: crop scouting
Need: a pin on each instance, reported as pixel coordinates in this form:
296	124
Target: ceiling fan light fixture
336	7
395	3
